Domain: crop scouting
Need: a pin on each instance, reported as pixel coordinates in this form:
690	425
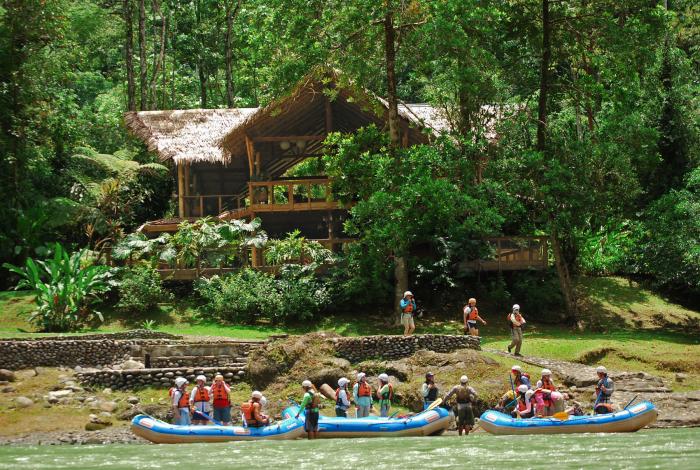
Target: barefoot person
471	316
465	396
516	322
310	404
408	309
199	401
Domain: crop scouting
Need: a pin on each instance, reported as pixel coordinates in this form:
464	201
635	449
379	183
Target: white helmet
522	388
256	394
263	401
201	377
516	307
546	372
529	394
407	293
464	379
361	376
601	370
516	368
306	384
342	382
180	381
383	377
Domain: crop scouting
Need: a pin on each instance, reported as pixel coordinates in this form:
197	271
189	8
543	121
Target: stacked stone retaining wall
396	347
16	355
131	334
197	361
158	378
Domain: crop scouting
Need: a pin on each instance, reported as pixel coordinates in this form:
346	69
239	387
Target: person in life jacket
516	322
604	390
429	390
252	411
310	404
362	395
524	407
471	316
179	399
547	398
200	397
408	310
342	402
517	378
385	394
465	396
221	401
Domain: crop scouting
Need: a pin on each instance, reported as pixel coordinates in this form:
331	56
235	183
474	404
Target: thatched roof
190	135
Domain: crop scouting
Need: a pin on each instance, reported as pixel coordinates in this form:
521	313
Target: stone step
160	378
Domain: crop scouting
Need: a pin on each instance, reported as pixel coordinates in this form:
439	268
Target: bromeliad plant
65	289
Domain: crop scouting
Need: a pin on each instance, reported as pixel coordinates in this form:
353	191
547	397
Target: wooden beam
258	163
282	138
249	148
181	191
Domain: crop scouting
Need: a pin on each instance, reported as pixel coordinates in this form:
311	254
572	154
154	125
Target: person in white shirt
516	322
200	398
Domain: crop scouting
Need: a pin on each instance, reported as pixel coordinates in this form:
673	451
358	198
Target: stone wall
16	355
197	361
131	334
158	378
396	347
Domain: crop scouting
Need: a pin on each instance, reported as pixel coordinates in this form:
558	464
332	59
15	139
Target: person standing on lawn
516	322
408	310
471	316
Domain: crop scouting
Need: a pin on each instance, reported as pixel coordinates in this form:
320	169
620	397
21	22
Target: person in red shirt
220	392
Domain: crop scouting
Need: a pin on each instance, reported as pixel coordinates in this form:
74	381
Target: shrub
141	289
64	289
249	295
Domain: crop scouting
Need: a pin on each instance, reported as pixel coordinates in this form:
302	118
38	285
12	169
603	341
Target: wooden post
404	136
219	204
250	149
201	205
181	190
290	195
258	163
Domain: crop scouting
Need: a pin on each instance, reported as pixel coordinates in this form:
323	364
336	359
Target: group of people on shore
542	400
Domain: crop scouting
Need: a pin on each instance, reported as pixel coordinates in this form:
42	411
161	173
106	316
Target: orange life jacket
248	409
473	313
183	401
408	308
201	394
548	385
363	390
221	398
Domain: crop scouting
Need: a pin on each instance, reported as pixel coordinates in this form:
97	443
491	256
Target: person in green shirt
385	394
310	406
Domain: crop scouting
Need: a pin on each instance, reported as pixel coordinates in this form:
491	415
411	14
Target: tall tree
129	54
143	66
160	58
230	17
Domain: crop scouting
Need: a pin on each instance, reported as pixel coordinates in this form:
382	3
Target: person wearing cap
179	398
517	378
342	402
310	404
516	322
604	390
199	401
220	392
523	406
252	411
408	309
464	396
362	395
429	390
385	394
471	316
547	398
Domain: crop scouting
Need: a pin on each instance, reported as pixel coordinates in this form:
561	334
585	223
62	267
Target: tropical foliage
141	289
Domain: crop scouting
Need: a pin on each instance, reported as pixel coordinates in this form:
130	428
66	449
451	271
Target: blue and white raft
631	419
161	432
427	423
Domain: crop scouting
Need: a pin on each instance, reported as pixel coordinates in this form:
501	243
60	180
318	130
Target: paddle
204	416
434	404
631	401
562	415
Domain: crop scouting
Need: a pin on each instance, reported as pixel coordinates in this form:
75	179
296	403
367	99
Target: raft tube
426	423
632	419
161	432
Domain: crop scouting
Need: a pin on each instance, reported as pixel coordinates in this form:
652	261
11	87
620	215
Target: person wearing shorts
408	309
465	396
221	400
309	404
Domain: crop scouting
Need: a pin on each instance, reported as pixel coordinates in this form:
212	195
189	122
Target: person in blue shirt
408	309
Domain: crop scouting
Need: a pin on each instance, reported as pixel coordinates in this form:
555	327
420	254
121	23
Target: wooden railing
512	254
291	195
211	204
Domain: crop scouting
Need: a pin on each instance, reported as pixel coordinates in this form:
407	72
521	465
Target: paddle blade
435	404
562	415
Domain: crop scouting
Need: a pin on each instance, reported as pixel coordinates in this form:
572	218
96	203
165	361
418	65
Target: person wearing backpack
385	394
310	404
342	402
465	396
516	321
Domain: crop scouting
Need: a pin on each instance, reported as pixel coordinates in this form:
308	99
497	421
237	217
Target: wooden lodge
233	163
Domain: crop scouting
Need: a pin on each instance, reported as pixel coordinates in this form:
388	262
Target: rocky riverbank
113	435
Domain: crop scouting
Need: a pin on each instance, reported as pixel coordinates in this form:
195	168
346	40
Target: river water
670	448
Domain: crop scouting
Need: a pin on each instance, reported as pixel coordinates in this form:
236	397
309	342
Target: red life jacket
363	390
183	401
408	308
201	394
221	398
473	313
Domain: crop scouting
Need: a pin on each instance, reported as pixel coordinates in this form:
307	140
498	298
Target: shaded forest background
598	127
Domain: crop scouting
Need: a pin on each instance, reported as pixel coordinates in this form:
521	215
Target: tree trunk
564	275
160	59
544	77
202	84
230	16
401	284
129	55
142	56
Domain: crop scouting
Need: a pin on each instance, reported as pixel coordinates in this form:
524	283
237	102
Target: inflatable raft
632	419
427	423
161	432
